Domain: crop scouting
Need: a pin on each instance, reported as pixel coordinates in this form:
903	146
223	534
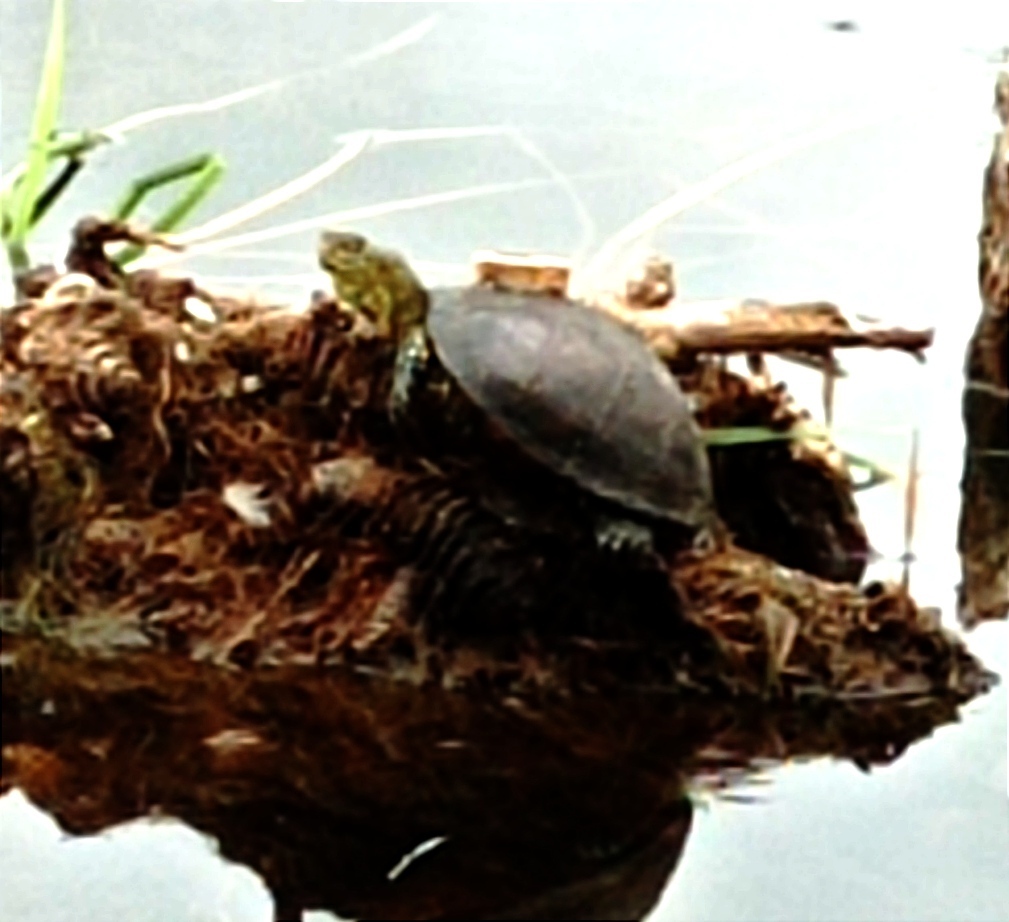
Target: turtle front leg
412	359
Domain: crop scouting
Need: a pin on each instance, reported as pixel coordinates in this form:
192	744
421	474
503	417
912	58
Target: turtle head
340	248
373	282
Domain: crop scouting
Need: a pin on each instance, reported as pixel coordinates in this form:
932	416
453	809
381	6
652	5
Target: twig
809	326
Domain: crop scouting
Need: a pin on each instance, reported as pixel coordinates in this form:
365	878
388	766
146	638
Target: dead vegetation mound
231	489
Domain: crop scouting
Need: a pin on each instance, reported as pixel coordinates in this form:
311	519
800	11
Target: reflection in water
559	809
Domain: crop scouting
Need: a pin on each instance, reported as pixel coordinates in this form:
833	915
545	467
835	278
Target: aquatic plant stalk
910	511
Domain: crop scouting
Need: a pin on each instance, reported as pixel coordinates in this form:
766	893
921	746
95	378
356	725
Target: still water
588	115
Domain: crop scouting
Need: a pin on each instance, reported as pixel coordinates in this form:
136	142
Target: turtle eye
351	242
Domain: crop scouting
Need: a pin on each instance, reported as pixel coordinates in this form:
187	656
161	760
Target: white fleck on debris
338	477
247	501
199	309
410	857
75	286
233	739
249	384
90	428
182	352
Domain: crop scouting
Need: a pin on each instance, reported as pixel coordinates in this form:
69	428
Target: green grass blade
205	170
69	144
48	196
140	188
205	180
47	107
750	435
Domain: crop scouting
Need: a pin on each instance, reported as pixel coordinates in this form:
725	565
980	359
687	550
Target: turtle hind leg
625	536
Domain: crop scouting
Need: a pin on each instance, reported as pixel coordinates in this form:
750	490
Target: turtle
576	391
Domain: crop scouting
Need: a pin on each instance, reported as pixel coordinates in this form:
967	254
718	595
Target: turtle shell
581	393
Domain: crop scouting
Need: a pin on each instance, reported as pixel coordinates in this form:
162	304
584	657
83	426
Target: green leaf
750	435
47	107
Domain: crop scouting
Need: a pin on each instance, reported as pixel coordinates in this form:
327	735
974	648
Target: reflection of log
817	327
983	540
322	781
